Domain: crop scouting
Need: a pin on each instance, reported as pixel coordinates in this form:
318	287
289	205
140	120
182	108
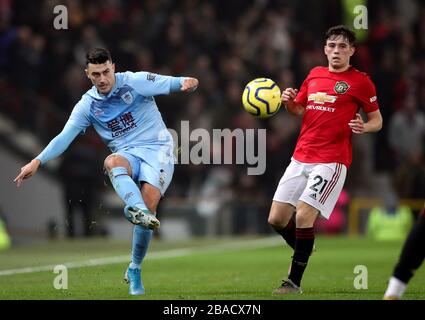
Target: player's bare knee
280	214
276	221
302	220
110	162
305	217
113	161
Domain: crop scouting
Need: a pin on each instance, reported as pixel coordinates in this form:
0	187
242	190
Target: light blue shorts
154	165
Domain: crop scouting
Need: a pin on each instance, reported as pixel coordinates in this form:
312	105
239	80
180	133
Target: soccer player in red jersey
411	257
329	102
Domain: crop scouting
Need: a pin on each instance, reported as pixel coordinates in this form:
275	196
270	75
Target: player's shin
126	188
141	239
304	243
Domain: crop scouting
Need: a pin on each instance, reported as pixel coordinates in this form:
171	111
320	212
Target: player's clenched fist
288	100
288	95
357	125
189	84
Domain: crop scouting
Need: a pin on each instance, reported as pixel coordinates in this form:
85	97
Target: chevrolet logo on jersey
321	97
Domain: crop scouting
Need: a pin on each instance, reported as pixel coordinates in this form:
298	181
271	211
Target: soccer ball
261	98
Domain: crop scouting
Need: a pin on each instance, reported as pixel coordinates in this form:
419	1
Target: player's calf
280	218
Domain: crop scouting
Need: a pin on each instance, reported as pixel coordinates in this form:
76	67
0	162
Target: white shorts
317	184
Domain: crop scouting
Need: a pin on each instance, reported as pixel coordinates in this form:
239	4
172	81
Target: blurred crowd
225	44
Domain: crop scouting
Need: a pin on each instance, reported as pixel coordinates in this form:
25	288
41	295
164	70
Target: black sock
304	241
288	233
413	252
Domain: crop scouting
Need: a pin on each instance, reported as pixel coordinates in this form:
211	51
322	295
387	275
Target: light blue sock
141	239
126	188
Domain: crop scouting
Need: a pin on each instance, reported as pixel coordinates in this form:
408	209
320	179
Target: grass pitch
207	269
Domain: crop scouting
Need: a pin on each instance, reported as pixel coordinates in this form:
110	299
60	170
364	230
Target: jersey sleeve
367	96
301	97
151	84
59	144
80	115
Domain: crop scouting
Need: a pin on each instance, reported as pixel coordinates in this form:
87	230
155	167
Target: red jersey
331	100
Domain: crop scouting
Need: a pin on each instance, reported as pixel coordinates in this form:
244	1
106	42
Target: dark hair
98	56
343	31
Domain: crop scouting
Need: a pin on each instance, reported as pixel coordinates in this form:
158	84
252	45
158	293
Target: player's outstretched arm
288	100
55	148
151	84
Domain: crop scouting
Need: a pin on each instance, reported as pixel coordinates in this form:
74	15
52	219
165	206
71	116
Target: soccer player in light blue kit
122	109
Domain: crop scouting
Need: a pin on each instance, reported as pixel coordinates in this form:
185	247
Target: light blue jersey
128	116
129	122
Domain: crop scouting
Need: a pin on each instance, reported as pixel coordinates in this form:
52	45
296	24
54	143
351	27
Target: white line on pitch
247	244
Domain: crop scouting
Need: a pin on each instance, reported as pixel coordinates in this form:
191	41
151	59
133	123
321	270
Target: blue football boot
141	217
134	279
